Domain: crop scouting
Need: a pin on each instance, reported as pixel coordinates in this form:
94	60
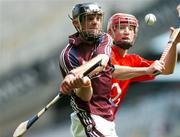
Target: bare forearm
126	72
170	59
85	93
169	55
102	58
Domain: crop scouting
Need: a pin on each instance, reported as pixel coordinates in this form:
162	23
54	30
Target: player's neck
122	52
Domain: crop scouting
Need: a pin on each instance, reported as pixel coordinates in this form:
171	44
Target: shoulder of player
138	59
75	39
106	36
68	52
133	55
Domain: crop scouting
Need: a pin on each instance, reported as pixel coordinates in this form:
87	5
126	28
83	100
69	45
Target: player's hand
175	35
65	86
156	68
72	81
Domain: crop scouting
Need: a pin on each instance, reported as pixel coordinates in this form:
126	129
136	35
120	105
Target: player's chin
126	40
123	44
94	32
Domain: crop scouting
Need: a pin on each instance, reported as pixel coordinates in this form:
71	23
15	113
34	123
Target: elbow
168	72
85	93
171	72
87	99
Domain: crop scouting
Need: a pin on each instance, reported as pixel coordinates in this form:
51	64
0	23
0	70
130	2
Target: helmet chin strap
123	44
90	37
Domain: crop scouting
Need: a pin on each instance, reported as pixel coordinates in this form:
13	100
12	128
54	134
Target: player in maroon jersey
124	28
90	98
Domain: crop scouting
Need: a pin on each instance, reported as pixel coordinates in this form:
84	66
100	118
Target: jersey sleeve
68	59
105	44
141	62
104	47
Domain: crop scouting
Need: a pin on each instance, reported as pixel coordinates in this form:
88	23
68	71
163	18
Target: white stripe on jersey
108	47
62	60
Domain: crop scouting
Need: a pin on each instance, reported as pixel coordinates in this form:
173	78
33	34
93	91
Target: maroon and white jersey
75	54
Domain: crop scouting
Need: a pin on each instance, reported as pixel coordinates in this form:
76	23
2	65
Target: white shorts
105	127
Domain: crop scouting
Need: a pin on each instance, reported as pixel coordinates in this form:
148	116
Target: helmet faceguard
115	25
80	13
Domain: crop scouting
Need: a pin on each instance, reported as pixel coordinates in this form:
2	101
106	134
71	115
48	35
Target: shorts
103	127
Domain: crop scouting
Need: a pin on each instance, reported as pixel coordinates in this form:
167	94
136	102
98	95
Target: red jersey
77	52
119	87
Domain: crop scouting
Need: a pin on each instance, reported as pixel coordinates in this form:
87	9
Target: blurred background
33	33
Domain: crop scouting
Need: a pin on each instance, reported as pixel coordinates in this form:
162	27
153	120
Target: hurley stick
97	64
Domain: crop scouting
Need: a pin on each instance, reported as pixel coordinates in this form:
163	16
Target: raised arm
169	55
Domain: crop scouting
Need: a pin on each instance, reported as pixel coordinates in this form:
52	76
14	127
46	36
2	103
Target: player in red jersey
124	28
